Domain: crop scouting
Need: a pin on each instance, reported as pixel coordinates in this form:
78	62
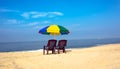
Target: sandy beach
99	57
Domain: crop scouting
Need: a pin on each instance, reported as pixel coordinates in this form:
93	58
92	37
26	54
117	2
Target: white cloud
33	23
7	10
56	13
38	27
34	14
25	15
39	15
12	21
46	22
37	23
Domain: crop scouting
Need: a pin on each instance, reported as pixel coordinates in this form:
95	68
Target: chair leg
58	51
64	50
53	51
47	51
44	50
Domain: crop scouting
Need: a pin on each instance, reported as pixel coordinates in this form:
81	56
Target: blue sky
20	20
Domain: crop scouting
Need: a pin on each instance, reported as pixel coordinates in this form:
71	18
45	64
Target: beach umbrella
54	30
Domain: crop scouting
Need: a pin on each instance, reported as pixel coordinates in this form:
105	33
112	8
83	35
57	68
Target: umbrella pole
54	37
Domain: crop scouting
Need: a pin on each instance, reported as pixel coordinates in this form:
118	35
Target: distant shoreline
41	50
36	45
59	39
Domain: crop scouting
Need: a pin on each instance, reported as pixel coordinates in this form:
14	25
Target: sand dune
100	57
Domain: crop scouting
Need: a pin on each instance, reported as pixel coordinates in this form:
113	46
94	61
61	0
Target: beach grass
99	57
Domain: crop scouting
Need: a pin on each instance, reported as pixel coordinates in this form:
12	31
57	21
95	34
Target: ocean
37	45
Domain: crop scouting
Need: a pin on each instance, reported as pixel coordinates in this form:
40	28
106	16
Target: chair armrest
45	47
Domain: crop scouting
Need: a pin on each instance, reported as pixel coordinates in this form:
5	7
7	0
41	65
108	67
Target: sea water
37	45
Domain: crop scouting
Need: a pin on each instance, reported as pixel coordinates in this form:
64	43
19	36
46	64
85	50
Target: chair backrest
62	43
52	43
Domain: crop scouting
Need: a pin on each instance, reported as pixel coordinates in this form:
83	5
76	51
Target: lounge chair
61	46
50	46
